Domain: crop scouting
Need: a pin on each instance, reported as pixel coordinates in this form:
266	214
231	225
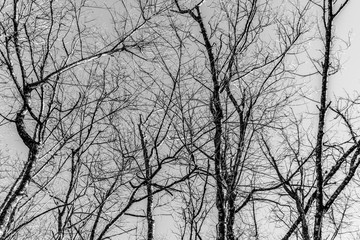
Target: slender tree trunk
149	204
231	215
321	124
216	110
9	206
17	191
304	225
217	114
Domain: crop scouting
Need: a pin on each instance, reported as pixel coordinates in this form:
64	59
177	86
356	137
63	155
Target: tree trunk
148	174
231	215
18	189
321	124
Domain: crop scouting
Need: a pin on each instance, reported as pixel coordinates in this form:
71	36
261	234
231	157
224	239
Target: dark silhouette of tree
243	74
133	111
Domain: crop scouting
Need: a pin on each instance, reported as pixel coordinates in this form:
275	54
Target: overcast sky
347	80
349	23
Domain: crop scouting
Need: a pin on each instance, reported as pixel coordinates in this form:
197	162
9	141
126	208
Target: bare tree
53	107
320	167
130	108
243	74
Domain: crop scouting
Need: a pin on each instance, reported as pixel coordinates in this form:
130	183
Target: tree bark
321	123
148	175
18	190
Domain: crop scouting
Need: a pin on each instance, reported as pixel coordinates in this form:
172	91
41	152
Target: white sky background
348	24
347	80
